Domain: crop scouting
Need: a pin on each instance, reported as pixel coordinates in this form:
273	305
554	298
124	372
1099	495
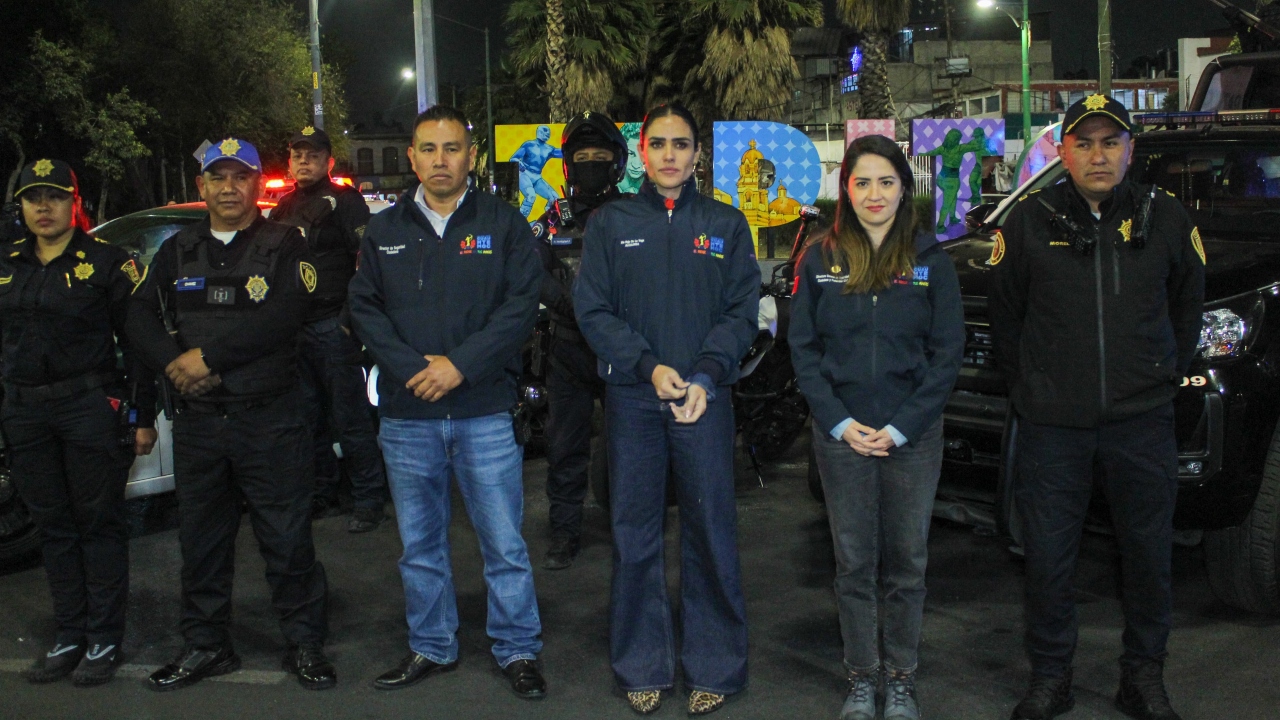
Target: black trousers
262	455
1138	458
71	471
572	390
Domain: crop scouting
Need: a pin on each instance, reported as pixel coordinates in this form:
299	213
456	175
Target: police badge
257	287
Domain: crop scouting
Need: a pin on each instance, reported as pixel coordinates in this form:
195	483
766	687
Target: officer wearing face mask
595	158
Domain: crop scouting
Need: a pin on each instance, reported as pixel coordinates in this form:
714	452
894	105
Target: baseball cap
312	136
1096	104
47	173
232	149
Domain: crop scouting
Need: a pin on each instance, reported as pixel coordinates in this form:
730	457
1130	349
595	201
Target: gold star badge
257	287
1126	227
308	131
43	168
229	147
1095	102
80	254
835	269
84	271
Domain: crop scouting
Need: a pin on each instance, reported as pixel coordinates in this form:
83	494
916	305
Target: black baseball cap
1096	104
47	173
314	137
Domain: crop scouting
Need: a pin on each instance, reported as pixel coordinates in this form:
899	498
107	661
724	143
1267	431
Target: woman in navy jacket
667	297
877	337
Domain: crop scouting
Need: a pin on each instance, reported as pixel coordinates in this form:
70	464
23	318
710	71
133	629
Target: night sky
376	38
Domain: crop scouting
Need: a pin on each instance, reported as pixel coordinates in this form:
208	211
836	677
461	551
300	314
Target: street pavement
1222	662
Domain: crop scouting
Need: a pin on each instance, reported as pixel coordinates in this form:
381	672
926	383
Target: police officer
72	421
220	310
595	158
332	218
1096	309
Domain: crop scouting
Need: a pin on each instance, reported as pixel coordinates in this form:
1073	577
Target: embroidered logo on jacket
476	245
713	246
919	277
997	250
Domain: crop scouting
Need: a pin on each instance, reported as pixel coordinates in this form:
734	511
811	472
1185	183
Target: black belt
27	394
223	407
560	331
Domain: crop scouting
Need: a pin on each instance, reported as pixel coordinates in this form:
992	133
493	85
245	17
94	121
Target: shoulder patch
1197	245
130	269
360	231
308	273
997	249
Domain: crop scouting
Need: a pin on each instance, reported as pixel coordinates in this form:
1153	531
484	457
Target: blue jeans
644	440
879	510
1138	457
481	452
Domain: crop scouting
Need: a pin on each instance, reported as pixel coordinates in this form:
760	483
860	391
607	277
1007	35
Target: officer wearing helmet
595	158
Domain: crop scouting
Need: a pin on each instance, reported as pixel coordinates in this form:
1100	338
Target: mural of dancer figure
532	157
952	152
980	150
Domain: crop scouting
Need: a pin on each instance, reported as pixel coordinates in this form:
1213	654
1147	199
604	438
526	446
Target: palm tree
876	20
579	52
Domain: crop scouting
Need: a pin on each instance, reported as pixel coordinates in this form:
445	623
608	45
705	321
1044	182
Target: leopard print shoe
645	702
702	703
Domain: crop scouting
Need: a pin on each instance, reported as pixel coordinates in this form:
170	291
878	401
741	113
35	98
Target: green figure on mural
952	153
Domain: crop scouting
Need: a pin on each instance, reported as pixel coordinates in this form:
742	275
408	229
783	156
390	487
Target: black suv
1227	174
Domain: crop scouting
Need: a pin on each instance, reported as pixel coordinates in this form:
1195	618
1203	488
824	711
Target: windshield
1228	187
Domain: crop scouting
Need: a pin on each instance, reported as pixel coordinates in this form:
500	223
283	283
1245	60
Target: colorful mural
959	146
751	157
536	149
854	129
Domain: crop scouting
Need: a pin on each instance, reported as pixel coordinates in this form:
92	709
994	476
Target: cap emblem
43	168
229	147
1095	102
308	131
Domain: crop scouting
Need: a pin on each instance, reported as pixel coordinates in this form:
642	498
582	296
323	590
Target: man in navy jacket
444	297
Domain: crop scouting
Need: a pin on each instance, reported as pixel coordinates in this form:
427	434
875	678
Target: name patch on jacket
827	279
919	277
476	245
189	284
632	243
391	249
713	246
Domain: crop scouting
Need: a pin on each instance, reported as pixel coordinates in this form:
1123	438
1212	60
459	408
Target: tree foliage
876	20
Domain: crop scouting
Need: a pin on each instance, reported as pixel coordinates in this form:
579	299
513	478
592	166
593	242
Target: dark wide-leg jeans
1138	457
261	454
644	441
71	472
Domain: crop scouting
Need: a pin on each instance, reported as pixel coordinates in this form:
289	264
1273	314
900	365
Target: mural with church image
765	169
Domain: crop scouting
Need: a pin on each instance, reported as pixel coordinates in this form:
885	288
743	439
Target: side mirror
978	214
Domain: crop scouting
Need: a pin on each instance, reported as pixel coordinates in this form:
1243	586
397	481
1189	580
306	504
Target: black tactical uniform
1095	320
243	304
332	218
573	385
66	420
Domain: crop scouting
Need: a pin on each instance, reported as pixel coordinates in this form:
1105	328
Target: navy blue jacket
888	357
471	296
679	288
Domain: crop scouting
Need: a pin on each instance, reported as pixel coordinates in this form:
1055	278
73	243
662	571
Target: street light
1025	30
488	94
407	74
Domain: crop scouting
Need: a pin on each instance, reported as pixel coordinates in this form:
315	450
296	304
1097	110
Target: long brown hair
847	242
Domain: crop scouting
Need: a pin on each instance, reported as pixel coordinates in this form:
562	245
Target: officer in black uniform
1095	310
72	421
220	310
595	157
332	218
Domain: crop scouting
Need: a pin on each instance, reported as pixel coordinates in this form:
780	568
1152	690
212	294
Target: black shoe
312	668
365	519
56	664
192	666
324	508
409	671
526	679
1048	697
562	552
1142	694
98	666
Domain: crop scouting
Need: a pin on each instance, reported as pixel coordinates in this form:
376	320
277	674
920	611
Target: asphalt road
1222	663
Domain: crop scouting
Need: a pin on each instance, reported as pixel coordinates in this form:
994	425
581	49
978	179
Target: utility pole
1026	76
488	91
955	81
424	51
317	97
1104	47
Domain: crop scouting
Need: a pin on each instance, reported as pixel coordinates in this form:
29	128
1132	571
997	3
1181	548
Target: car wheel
1242	561
815	478
19	538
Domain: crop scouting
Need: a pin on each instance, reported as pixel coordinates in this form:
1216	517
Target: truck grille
977	346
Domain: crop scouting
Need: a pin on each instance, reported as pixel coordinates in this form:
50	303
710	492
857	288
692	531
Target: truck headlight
1222	335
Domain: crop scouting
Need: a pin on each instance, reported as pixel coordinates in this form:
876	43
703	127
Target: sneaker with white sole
56	664
98	665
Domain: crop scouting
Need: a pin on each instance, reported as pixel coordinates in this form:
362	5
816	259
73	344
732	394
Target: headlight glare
1222	334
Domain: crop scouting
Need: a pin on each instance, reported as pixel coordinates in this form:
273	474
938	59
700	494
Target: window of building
364	161
390	160
975	106
993	104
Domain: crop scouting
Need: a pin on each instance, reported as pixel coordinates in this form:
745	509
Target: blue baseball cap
232	149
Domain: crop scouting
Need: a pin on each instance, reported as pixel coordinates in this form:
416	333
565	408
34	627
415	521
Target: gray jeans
879	510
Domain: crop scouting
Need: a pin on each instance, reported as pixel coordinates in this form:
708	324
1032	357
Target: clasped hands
436	379
190	375
671	386
868	441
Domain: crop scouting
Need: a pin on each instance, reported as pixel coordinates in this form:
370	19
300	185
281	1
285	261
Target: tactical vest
317	217
214	301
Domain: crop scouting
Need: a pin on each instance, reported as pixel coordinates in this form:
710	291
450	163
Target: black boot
1048	697
309	664
1142	694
